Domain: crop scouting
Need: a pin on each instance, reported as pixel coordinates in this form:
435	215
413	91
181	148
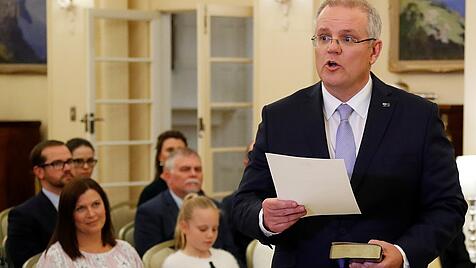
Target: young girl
195	233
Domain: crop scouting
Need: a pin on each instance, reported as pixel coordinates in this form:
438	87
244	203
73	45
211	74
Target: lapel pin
385	104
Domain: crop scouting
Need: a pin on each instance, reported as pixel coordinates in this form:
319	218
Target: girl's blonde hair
190	203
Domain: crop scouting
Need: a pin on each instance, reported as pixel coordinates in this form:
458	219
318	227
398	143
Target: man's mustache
193	180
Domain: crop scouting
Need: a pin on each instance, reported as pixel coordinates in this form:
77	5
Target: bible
357	252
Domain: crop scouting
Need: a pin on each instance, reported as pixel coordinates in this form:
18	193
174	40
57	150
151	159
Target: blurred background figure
83	236
166	143
195	233
83	157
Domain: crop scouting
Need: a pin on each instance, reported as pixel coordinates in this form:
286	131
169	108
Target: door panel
123	98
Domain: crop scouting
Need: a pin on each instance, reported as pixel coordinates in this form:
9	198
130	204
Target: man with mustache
31	224
155	219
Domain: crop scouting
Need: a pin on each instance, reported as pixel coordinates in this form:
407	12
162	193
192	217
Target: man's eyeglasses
57	164
344	41
79	162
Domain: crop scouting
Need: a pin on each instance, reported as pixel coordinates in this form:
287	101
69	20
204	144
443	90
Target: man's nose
334	46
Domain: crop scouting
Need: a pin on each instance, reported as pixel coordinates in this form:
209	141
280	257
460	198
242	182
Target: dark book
358	252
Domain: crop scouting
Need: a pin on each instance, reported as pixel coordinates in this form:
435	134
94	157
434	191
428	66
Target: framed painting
427	35
23	36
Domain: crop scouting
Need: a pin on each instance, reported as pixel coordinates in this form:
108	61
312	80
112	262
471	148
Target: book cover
359	252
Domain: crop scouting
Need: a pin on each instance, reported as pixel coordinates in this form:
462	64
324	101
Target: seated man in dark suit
156	219
31	224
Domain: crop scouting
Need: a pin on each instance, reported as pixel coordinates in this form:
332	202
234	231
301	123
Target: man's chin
193	190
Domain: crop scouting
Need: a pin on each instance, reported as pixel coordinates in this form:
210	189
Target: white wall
284	58
24	97
469	130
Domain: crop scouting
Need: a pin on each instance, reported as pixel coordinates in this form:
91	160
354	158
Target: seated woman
195	233
167	142
82	152
83	236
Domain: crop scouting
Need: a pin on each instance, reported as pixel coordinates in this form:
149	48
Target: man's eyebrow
349	31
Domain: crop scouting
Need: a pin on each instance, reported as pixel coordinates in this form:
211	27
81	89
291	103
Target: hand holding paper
321	185
279	215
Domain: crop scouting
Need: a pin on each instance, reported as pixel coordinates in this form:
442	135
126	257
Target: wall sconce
285	4
467	178
66	4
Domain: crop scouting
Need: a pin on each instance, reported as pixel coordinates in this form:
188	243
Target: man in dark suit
156	219
31	224
400	163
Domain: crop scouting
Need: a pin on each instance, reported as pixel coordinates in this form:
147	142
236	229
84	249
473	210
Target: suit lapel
313	116
382	106
170	203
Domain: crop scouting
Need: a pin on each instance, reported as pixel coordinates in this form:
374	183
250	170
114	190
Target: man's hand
392	258
279	215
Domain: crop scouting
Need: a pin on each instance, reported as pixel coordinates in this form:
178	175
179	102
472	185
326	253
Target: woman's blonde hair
190	203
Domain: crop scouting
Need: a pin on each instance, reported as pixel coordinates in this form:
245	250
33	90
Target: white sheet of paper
321	185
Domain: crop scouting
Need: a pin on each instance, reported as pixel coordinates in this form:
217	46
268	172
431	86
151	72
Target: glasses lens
58	164
91	161
79	162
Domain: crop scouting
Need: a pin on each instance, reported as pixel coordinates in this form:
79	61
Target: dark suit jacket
456	255
155	223
152	190
30	226
405	179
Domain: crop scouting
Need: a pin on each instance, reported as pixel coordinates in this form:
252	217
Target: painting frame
399	66
24	21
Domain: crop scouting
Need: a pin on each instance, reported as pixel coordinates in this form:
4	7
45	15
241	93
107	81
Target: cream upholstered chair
126	233
435	263
3	233
4	223
121	214
31	262
258	255
155	256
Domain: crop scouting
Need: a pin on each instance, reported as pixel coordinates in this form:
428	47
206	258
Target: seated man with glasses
83	157
31	224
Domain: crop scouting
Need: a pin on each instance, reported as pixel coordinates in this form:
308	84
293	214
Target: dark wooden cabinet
17	182
452	117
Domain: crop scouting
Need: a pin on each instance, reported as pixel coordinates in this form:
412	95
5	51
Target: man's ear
166	175
376	49
39	172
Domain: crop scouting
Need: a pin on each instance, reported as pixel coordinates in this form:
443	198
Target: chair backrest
126	233
258	255
155	256
4	223
121	214
31	262
3	252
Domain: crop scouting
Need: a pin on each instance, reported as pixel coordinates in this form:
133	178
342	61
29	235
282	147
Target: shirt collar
176	198
359	102
54	198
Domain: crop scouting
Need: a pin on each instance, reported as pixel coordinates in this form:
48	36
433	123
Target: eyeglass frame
90	161
55	164
353	41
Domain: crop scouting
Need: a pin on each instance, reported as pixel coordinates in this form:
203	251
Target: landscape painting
427	35
22	36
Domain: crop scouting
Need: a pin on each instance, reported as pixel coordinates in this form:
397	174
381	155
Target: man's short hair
36	155
180	152
374	27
